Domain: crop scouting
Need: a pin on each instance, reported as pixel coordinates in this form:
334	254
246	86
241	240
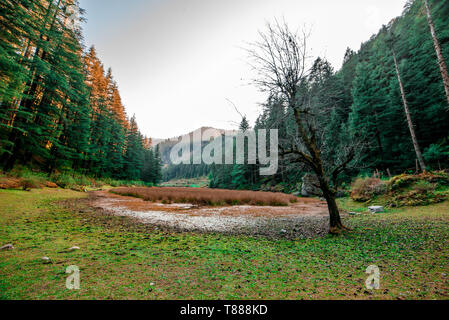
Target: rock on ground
310	186
376	209
49	184
46	260
7	247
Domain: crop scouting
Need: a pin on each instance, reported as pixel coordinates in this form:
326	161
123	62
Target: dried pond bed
207	197
303	219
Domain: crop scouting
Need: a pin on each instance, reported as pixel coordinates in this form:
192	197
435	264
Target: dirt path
306	218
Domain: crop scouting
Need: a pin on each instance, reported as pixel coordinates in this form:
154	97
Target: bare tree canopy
280	59
282	62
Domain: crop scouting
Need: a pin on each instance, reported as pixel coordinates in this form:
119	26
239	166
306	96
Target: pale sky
178	61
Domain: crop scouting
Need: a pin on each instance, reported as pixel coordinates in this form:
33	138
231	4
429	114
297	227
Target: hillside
165	146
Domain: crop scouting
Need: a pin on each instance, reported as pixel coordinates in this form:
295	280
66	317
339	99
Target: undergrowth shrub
405	180
23	177
28	184
403	190
29	179
365	189
415	198
64	180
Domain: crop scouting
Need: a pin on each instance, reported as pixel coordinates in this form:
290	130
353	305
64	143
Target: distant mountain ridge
165	145
170	141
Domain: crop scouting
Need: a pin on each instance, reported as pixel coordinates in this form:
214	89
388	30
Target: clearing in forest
210	197
190	209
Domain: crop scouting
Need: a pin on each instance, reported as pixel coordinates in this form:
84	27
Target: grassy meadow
119	259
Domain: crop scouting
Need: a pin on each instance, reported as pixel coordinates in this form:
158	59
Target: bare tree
409	117
281	60
439	52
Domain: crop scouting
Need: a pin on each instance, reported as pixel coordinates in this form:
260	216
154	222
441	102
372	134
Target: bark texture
439	52
409	117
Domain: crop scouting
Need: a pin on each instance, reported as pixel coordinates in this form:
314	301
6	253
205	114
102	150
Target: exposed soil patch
304	219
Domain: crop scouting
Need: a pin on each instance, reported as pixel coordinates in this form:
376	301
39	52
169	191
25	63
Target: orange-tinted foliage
208	197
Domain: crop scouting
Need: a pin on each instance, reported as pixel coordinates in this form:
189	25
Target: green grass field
122	260
201	182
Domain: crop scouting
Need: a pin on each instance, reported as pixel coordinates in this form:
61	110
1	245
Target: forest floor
121	258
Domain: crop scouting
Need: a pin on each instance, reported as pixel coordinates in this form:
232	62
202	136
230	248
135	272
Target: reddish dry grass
10	183
208	197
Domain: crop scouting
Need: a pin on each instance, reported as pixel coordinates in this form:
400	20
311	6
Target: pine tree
17	32
157	166
53	81
148	174
241	173
409	118
134	155
439	52
59	109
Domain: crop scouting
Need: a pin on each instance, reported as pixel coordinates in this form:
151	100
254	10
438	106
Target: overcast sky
178	61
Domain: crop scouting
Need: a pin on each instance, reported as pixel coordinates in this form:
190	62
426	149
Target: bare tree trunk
315	162
409	117
439	52
335	224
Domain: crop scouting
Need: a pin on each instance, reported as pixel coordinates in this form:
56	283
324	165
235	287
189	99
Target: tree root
339	229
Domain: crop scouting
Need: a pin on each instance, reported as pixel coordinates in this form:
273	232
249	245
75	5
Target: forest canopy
60	108
363	100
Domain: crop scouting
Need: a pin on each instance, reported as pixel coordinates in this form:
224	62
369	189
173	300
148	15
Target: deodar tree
438	50
408	116
281	60
59	109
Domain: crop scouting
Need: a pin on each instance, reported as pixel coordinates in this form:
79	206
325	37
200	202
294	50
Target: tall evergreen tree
59	109
134	155
439	52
